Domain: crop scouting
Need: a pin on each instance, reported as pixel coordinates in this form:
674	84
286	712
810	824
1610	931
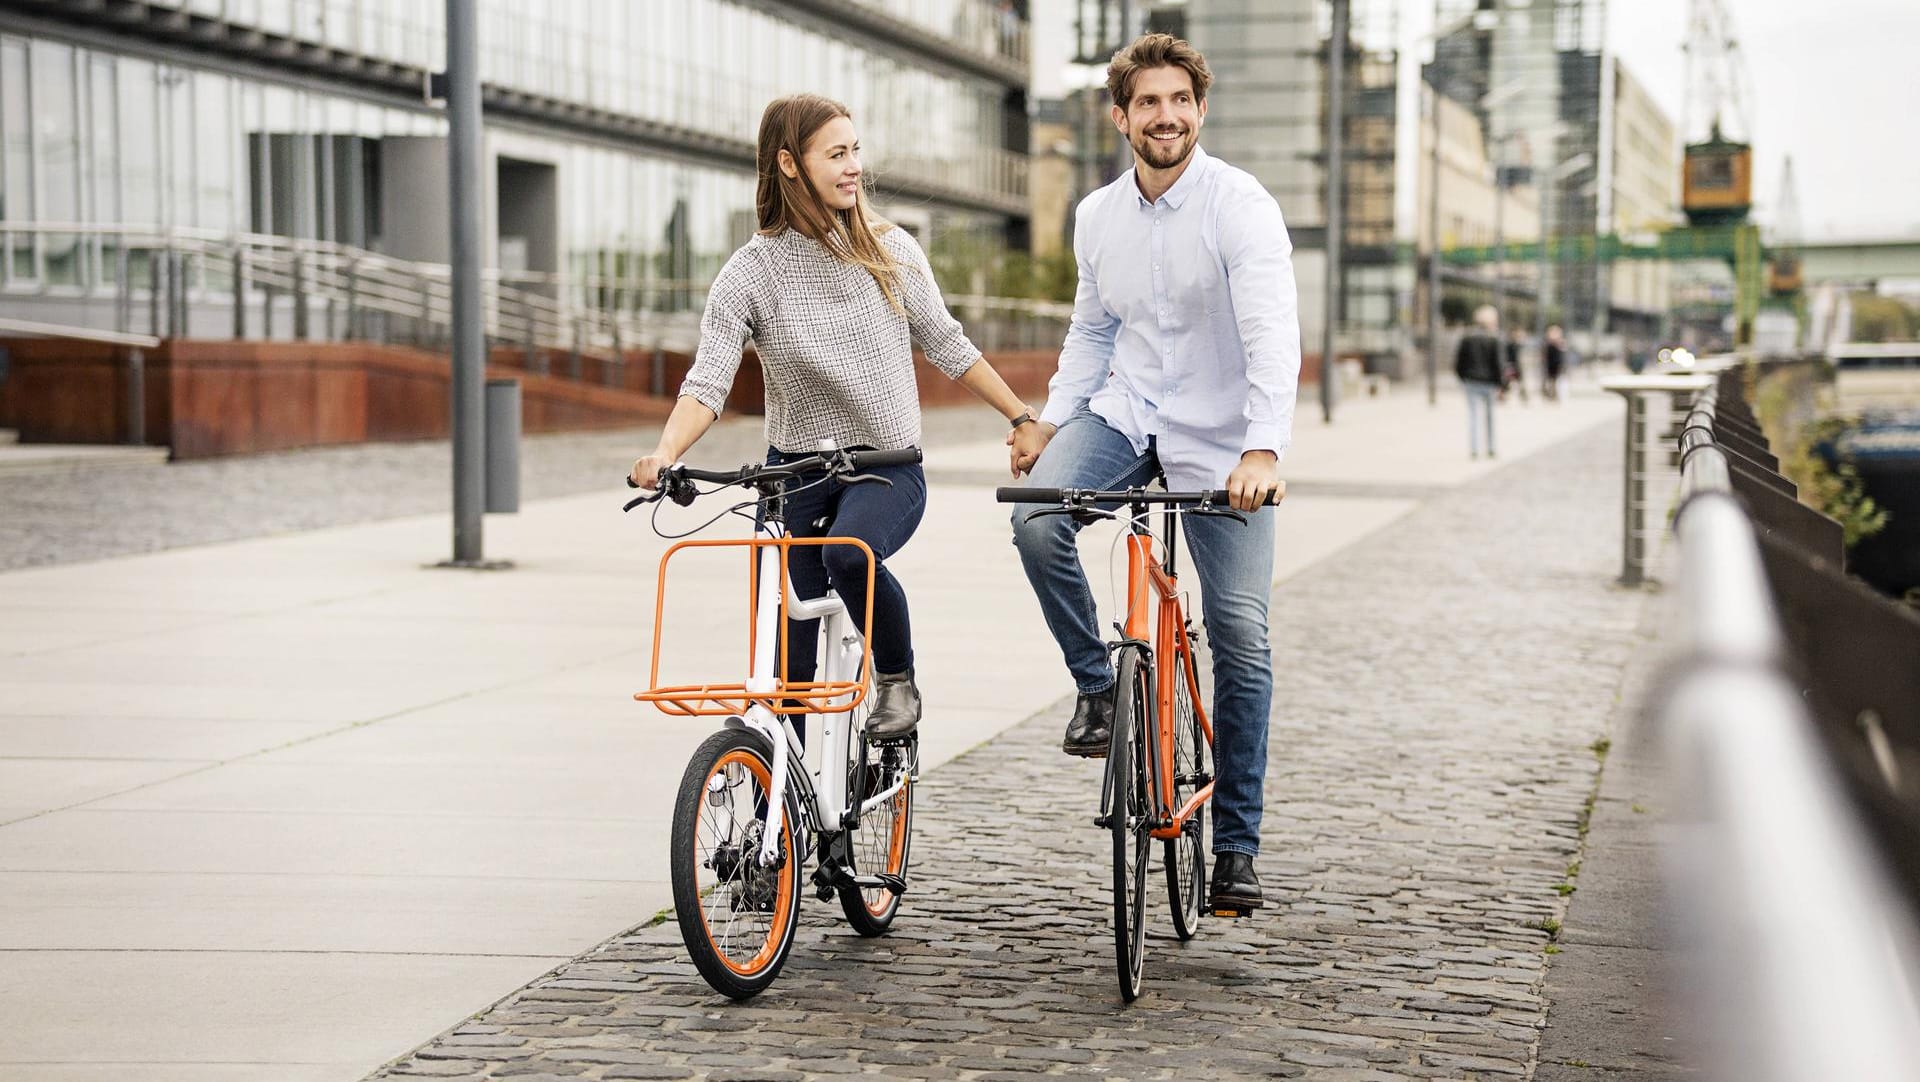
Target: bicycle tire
1130	816
717	885
882	841
1184	857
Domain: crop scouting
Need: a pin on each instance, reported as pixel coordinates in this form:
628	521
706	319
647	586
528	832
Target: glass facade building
619	132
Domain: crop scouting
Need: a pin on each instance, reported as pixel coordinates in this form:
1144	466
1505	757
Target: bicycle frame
1153	593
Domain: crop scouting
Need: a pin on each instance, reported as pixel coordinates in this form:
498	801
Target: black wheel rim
1186	868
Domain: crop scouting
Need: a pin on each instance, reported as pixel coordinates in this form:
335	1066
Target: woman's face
832	163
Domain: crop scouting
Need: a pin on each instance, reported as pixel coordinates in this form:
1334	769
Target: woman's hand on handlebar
646	471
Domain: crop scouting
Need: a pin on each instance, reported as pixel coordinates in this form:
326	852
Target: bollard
1633	541
503	446
239	291
136	397
1636	509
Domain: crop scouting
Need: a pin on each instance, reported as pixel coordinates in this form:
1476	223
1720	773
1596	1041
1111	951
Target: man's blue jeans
1235	564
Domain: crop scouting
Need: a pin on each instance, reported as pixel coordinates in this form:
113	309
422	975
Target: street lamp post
463	168
1336	184
1433	228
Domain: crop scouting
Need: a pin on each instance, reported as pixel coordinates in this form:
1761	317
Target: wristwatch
1025	417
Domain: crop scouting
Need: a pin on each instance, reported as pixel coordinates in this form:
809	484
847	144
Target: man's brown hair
1155	51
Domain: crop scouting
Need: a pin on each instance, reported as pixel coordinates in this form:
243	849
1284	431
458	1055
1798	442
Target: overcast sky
1833	84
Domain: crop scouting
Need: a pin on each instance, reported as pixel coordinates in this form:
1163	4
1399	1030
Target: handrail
1803	957
606	315
32	329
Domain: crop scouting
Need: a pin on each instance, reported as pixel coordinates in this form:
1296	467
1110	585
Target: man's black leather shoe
896	707
1092	724
1236	889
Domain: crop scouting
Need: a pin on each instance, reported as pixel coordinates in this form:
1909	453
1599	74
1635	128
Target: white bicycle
746	818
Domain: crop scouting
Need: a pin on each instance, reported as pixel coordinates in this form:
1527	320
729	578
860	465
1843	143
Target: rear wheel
1184	857
879	845
1130	815
736	914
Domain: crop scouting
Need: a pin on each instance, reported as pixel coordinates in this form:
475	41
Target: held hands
1254	479
1025	444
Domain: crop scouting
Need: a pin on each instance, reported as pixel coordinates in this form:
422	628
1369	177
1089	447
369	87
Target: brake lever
638	500
865	478
1086	516
670	484
1224	512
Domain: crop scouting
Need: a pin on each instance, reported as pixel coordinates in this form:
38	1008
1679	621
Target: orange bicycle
745	818
1159	773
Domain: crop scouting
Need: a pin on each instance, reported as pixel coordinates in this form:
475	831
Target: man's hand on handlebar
1254	479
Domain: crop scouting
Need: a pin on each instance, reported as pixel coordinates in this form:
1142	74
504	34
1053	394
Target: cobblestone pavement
1439	686
66	516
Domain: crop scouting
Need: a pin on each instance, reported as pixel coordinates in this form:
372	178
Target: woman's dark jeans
884	517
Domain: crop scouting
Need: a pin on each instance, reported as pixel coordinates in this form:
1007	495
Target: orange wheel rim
713	895
879	901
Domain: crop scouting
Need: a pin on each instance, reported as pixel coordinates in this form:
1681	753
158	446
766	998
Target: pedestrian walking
1512	372
1478	361
1553	381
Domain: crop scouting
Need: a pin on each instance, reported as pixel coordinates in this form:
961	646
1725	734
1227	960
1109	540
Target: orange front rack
789	697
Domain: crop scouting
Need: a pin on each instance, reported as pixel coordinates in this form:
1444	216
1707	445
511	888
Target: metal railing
1801	955
276	286
267	286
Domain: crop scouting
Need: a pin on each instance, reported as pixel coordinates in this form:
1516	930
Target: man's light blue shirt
1186	323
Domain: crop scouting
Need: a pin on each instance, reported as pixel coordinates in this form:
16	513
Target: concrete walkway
288	807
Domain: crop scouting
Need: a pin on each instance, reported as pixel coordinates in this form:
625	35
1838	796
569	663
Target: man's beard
1161	155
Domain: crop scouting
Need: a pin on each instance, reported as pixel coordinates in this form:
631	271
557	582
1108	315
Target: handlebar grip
1017	494
1219	496
905	456
720	477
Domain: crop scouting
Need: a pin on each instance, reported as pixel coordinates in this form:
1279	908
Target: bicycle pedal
1232	911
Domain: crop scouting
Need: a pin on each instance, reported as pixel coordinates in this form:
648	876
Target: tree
1881	319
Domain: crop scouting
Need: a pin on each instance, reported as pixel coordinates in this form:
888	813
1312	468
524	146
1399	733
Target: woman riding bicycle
835	299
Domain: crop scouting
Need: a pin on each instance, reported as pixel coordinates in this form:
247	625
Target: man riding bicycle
1181	362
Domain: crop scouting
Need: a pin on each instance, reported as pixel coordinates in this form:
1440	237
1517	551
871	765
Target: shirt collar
1176	195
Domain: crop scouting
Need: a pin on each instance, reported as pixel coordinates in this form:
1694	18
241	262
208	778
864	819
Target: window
103	170
213	110
139	143
16	143
56	144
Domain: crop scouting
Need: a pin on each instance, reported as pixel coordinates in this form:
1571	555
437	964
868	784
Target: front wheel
1130	815
736	914
1184	860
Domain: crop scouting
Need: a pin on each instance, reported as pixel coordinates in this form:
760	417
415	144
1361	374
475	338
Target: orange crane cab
1717	184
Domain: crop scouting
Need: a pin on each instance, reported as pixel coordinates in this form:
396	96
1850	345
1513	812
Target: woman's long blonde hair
787	202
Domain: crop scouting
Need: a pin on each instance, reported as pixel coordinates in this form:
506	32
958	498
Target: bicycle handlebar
676	481
1088	497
